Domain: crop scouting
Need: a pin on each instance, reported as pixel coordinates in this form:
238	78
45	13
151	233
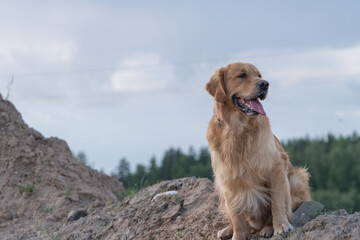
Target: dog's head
241	85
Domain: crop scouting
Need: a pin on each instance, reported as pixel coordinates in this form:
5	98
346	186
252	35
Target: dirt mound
46	194
337	225
40	179
189	212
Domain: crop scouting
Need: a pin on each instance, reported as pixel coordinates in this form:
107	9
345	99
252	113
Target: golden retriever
257	185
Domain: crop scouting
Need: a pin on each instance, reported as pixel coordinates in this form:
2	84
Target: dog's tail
299	187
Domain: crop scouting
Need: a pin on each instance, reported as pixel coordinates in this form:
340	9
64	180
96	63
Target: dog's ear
216	86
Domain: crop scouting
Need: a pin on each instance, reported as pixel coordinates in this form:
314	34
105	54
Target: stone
75	215
158	196
305	212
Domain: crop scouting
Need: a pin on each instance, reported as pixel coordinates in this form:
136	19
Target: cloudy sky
126	79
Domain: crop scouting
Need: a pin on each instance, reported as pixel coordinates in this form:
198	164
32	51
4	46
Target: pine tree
123	172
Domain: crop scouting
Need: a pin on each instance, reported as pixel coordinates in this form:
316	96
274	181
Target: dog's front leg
240	228
280	201
237	222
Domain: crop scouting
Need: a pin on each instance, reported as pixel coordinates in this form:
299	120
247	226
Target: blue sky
126	79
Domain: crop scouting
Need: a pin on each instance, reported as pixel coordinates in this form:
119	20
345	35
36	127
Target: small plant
53	236
68	191
113	206
178	200
129	234
47	209
10	83
28	188
119	196
56	234
179	234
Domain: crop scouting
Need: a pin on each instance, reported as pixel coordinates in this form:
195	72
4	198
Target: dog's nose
264	85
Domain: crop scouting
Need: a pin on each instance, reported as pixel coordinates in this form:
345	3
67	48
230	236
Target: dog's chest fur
241	149
242	155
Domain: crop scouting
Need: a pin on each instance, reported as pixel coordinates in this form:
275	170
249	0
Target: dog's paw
266	232
225	233
285	227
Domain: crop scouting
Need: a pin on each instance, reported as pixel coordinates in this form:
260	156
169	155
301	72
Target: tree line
333	162
334	165
174	164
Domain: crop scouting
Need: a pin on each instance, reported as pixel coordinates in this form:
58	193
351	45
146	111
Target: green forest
333	162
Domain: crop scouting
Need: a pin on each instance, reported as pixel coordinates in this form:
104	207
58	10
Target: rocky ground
47	194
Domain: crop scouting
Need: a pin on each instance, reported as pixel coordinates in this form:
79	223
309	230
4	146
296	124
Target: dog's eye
242	75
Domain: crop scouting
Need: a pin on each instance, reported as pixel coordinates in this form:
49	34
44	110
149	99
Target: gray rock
75	215
305	212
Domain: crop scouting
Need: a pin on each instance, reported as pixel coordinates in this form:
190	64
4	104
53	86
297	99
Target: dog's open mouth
249	106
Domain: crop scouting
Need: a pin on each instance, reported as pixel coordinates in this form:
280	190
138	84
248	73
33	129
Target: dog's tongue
256	106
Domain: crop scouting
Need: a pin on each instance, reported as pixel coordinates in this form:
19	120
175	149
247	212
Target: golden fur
257	185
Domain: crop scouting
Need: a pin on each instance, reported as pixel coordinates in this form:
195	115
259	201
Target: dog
257	185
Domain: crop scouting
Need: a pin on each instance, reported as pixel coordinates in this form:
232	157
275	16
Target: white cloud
340	114
357	113
144	72
48	51
309	66
353	113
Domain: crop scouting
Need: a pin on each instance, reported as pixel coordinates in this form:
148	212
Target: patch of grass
130	192
27	187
